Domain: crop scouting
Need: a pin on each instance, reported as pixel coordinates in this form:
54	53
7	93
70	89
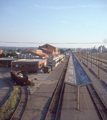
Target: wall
28	66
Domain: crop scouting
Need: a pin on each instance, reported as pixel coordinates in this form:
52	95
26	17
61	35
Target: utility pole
96	56
99	64
91	59
87	57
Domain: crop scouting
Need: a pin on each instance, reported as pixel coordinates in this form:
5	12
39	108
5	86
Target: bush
1	114
12	105
9	104
3	108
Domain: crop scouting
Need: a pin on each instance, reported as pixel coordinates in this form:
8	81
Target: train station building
28	65
49	49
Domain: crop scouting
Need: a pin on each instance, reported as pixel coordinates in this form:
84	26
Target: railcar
19	78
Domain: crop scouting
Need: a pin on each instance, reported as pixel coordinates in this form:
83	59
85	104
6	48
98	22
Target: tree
8	54
13	53
2	55
62	51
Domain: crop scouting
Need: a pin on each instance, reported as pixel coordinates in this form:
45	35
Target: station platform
69	107
70	75
87	110
100	86
38	102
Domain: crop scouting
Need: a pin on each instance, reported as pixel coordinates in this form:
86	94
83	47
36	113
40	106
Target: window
17	65
28	65
21	65
33	65
14	66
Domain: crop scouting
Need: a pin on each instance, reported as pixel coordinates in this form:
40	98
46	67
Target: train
19	78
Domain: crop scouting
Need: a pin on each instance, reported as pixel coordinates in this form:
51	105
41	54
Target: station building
6	62
28	65
49	49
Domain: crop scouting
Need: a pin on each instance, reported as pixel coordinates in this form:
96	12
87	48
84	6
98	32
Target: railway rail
53	112
100	105
19	112
101	66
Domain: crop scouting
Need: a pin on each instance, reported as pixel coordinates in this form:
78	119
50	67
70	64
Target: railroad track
53	111
100	66
104	68
18	113
100	105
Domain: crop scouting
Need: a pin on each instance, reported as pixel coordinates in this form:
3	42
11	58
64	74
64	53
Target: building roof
50	45
28	60
48	50
41	54
30	50
7	58
1	51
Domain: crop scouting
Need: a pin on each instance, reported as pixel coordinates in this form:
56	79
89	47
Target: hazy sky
53	21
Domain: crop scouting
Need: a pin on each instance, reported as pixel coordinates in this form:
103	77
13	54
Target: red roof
48	50
1	51
41	54
30	50
51	45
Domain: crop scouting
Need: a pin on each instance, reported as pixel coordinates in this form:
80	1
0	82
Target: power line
52	43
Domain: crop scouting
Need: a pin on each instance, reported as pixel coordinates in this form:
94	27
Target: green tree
13	53
8	54
2	55
62	51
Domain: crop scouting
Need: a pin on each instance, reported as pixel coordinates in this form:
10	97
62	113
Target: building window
14	66
27	65
33	65
17	65
21	65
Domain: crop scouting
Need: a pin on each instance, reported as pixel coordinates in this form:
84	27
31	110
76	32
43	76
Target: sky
61	23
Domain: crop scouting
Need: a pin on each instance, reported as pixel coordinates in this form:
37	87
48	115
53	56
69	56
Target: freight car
19	78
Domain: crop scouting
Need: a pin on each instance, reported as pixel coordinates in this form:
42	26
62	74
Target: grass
9	105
